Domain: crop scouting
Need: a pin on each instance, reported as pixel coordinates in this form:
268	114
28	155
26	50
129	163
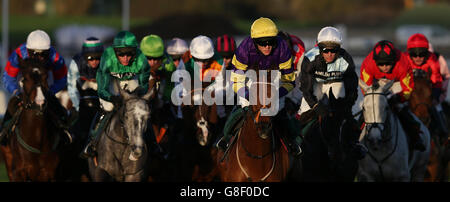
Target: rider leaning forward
262	50
124	62
387	62
38	48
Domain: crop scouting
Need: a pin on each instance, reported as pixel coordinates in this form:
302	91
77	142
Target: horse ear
122	92
150	93
363	85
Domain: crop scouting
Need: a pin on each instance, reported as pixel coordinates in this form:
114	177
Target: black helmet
384	52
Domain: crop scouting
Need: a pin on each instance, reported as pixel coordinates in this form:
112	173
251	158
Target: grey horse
389	157
122	151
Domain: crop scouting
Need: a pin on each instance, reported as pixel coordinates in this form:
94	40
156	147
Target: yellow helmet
263	27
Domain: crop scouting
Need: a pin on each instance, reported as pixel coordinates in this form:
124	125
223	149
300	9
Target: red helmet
225	45
417	41
384	51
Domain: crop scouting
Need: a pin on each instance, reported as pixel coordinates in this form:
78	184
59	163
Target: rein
242	168
379	163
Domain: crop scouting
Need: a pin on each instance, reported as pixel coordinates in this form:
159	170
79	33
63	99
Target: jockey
38	48
226	46
123	61
201	56
445	72
330	67
83	70
421	58
385	61
176	48
161	69
263	49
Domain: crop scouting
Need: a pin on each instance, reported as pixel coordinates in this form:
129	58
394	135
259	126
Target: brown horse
420	104
30	151
195	157
256	154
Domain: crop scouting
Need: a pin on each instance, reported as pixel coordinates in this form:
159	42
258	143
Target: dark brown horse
420	104
256	154
195	155
30	153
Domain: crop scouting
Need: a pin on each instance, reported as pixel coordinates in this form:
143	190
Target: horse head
201	115
35	85
421	99
135	113
263	107
376	112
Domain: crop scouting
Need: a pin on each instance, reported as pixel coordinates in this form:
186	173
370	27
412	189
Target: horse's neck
115	127
250	137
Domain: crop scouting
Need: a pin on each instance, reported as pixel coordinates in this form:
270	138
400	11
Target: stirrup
68	135
295	150
222	144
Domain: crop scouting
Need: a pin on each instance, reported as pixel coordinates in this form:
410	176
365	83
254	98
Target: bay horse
389	157
327	143
31	152
420	104
122	151
256	152
72	167
194	153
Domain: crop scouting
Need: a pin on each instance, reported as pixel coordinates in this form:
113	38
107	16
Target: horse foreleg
7	156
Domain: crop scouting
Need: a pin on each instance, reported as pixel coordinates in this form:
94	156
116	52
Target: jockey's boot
439	118
231	127
412	128
222	144
90	148
289	132
357	150
9	117
293	145
4	129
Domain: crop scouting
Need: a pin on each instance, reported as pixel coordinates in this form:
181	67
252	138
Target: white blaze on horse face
203	125
140	114
375	106
39	99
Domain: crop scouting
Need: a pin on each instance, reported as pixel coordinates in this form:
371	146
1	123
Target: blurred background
363	22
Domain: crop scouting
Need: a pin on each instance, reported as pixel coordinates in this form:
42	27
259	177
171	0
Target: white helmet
329	34
177	46
202	47
38	40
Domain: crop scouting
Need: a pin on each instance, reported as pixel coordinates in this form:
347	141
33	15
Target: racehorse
31	153
420	104
327	151
72	167
122	151
256	152
389	157
197	156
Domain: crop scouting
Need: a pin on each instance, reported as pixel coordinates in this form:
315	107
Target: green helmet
124	39
152	46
